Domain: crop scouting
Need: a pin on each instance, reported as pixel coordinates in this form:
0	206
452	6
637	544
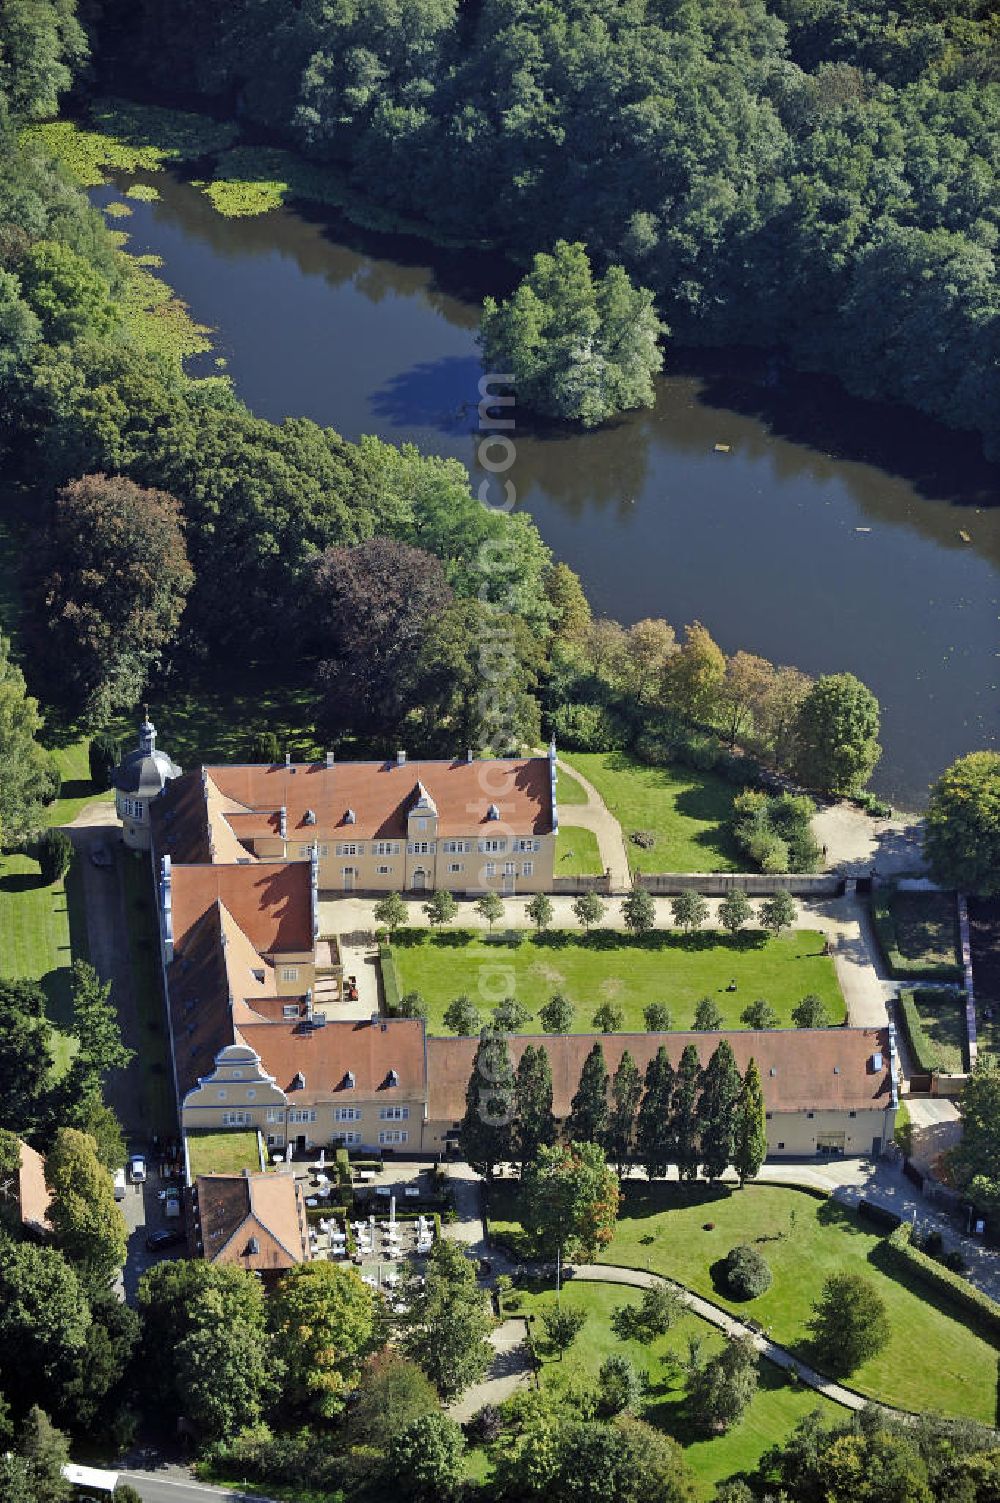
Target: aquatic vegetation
128	137
117	210
156	318
144	192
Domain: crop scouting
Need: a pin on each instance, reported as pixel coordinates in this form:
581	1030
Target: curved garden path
637	1278
595	815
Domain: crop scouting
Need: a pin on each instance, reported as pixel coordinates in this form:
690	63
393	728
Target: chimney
401	758
329	759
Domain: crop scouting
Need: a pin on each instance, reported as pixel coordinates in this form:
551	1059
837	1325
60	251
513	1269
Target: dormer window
259	977
349	1081
350	818
310	817
298	1081
493	812
393	1078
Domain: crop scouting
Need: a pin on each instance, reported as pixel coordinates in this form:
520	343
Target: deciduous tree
837	735
446	1321
324	1323
117	582
556	1016
850	1323
83	1211
777	913
639	911
962	838
570	1200
690	910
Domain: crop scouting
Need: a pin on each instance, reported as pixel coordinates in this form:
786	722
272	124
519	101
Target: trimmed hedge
390	981
925	1052
878	1215
983	1312
904	967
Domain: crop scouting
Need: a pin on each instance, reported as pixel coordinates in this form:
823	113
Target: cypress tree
485	1134
684	1114
588	1117
718	1110
626	1090
534	1125
751	1127
654	1129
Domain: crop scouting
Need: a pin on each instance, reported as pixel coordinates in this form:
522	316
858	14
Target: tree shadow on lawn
669	1409
880	1257
78	788
838	1217
651	1198
16	882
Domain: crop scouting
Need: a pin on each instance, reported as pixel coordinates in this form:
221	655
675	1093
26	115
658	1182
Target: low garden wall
754	884
600	885
965	944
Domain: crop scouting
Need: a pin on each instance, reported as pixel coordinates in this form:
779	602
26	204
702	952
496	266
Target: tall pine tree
588	1117
626	1090
534	1125
751	1127
718	1110
485	1134
684	1114
655	1129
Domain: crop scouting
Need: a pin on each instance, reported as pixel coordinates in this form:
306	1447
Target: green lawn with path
608	966
577	852
687	811
934	1360
774	1413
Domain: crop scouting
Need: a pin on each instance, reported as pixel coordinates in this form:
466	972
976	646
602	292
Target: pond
828	533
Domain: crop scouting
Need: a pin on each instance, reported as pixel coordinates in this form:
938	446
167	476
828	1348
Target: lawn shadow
78	788
832	1213
643	1199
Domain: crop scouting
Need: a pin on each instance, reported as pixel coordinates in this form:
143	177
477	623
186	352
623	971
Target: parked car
166	1236
101	855
137	1169
121	1184
172	1203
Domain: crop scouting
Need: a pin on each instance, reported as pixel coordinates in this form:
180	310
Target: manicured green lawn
609	967
577	852
933	1361
776	1410
222	1152
918	932
687	811
568	790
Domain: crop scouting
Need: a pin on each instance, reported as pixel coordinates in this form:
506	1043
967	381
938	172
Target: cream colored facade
240	1094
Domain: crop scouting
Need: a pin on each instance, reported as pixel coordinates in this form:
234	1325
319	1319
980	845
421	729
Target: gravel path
596	816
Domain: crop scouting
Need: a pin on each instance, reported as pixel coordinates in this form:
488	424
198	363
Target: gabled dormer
422	818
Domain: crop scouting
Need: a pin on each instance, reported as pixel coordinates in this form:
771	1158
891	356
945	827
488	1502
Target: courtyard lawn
687	811
222	1152
568	790
918	932
608	966
774	1413
42	930
934	1360
577	852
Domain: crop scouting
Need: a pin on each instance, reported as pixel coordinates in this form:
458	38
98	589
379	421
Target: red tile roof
324	1056
802	1069
381	794
270	901
253	1220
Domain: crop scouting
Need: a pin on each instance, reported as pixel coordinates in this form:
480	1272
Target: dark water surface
828	537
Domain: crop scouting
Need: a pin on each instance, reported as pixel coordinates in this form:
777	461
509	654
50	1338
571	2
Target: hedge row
903	967
878	1215
390	981
973	1304
924	1052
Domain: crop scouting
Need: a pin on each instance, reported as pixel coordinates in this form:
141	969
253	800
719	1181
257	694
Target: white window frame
491	868
393	1137
275	1114
236	1117
527	868
492	847
347	1114
384	871
456	866
394	1114
289	973
385	848
349	1139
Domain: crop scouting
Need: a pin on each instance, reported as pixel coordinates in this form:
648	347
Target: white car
137	1169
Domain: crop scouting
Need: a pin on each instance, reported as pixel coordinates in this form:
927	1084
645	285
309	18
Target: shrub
485	1426
644	839
54	853
51	779
585	728
103	756
774	830
619	1387
748	1273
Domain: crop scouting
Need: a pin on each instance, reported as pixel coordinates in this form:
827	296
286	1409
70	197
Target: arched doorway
419	883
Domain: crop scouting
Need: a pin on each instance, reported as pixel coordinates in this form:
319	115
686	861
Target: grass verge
577	853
